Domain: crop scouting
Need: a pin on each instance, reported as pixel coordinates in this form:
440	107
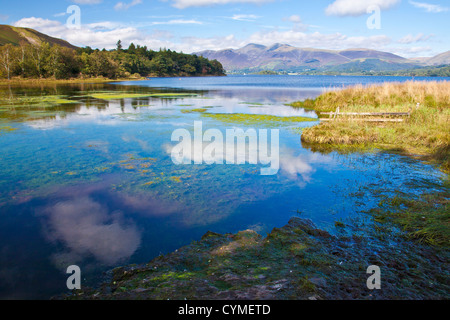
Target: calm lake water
87	179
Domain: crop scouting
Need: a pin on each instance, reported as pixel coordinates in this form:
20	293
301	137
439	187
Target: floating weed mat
35	112
199	110
5	129
257	119
425	219
124	95
23	107
41	101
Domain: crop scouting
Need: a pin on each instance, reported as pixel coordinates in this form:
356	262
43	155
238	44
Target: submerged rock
297	261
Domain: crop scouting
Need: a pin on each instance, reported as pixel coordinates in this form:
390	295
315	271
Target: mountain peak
276	46
284	57
255	45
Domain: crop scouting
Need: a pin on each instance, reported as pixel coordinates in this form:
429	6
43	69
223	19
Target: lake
87	175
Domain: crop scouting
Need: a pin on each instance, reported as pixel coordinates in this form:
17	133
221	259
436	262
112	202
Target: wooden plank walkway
386	116
366	120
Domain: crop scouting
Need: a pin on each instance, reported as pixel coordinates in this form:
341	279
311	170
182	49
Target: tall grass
425	132
383	97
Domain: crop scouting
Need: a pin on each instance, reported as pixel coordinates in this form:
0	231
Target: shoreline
316	265
423	133
294	262
62	81
4	82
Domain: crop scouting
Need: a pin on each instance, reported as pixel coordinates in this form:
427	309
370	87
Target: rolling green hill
17	36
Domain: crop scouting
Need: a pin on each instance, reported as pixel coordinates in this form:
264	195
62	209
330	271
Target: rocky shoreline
297	261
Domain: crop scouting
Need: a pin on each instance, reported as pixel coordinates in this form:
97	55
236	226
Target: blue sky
409	28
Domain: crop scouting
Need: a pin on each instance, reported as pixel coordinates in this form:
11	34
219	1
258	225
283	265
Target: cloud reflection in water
87	228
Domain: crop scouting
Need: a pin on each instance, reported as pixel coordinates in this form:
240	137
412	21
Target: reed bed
426	132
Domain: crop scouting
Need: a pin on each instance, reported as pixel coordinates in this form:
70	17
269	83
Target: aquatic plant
126	95
199	110
7	129
425	218
257	119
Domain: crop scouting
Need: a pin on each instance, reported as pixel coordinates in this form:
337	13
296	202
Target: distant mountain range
283	57
17	35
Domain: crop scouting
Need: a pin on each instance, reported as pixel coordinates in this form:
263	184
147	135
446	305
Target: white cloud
335	41
357	7
414	52
196	44
245	17
176	21
121	6
106	34
182	4
99	35
297	21
417	38
434	8
87	1
295	18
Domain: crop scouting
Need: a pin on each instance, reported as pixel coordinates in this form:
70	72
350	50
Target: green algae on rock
297	261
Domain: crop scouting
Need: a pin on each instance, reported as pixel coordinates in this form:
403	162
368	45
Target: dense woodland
54	61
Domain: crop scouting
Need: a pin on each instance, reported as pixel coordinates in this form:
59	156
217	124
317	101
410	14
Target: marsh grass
386	96
426	132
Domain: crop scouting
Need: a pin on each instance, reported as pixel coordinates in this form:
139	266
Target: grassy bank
426	132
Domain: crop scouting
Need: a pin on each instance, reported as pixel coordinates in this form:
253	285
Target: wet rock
297	261
319	282
211	235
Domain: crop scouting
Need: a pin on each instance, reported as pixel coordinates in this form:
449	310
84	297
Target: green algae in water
119	96
257	119
42	101
199	110
5	129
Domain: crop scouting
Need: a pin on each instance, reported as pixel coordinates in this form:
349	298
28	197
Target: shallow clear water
92	183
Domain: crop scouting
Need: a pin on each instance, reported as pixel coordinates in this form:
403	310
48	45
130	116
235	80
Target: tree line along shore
56	62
